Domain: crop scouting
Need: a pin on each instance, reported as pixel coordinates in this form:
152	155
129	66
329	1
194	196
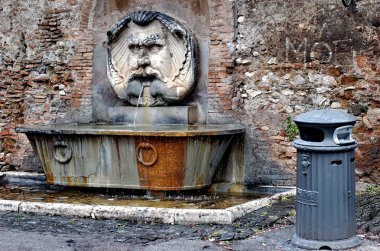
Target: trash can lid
326	117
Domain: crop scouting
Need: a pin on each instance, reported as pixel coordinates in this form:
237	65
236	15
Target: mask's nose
143	59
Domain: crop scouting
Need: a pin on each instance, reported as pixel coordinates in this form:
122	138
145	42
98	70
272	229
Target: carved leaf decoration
178	50
119	52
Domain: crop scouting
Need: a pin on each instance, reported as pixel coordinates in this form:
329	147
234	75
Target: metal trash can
325	217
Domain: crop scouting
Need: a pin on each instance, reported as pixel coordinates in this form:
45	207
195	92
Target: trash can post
325	212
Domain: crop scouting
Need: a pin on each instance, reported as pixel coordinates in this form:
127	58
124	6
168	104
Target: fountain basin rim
166	130
149	214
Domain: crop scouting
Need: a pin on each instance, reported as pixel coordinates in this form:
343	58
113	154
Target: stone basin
150	157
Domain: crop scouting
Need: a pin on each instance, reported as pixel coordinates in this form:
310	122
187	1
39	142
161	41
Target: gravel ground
269	228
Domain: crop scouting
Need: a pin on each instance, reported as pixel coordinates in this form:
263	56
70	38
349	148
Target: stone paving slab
280	239
147	214
25	178
55	209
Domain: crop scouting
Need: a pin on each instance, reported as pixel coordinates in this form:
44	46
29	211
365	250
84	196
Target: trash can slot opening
325	248
343	135
336	163
312	134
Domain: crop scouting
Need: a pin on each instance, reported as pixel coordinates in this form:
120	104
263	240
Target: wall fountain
150	131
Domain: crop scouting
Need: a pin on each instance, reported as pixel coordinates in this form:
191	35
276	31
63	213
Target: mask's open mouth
144	79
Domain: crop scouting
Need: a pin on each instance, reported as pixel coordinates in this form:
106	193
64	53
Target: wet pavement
141	233
114	197
66	233
269	228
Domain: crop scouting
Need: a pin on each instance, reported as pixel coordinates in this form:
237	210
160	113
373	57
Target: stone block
191	216
9	205
56	209
150	214
153	115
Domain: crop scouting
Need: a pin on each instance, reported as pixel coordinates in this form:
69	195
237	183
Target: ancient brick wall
269	61
221	64
45	70
295	56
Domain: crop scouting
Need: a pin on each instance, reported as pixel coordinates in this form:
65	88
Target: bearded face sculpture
150	59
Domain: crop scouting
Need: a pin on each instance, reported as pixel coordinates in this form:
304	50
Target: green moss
283	198
291	129
263	214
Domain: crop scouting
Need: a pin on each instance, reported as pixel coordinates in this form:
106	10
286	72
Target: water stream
137	106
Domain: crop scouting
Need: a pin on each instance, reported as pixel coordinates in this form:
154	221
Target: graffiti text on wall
337	52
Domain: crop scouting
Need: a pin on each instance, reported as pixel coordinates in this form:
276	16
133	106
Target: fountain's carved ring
67	152
139	154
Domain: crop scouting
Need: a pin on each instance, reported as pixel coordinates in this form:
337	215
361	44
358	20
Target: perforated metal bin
325	217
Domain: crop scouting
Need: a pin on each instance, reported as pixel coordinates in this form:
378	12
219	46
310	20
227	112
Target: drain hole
325	248
336	163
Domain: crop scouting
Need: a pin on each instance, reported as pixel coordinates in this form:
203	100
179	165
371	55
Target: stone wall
294	56
45	71
269	61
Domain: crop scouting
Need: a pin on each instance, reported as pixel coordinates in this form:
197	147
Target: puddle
133	198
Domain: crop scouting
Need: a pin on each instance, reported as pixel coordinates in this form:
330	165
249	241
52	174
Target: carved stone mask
150	59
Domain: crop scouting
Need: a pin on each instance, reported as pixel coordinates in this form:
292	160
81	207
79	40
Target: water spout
137	106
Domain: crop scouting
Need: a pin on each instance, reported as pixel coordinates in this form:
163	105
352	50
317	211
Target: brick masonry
269	60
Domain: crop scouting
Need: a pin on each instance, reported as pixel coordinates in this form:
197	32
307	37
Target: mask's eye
154	48
134	48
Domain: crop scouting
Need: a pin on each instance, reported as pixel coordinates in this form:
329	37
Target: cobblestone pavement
269	228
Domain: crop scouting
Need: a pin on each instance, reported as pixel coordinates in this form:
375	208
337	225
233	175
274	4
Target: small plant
283	198
292	212
372	189
264	214
291	129
19	216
